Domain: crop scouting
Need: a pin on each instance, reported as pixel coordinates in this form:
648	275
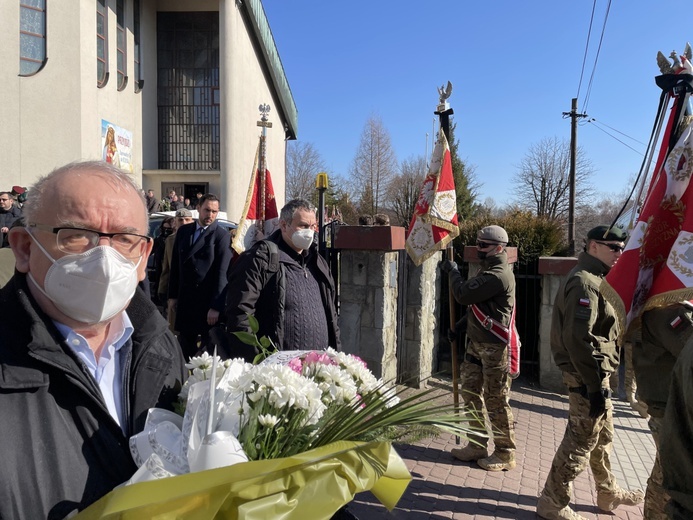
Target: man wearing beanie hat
584	332
491	297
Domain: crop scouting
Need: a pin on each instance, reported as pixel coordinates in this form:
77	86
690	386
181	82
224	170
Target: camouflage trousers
656	497
485	372
586	440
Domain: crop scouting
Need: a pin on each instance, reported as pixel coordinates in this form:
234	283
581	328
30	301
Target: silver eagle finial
443	95
444	92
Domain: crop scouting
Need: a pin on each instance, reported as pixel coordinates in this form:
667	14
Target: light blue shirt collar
107	370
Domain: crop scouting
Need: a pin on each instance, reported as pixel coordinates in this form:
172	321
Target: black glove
452	335
447	265
597	403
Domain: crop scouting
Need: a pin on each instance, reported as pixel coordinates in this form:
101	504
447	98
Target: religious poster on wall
116	146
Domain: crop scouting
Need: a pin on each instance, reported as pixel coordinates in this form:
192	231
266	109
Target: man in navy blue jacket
201	256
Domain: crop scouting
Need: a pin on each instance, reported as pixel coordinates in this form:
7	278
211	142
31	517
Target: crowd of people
172	202
86	353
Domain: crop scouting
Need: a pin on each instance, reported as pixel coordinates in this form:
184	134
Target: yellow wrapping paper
312	485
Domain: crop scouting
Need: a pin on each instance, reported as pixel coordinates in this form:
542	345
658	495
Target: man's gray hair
287	213
117	177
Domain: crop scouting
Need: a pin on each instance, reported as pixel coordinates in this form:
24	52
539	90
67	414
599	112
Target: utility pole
573	114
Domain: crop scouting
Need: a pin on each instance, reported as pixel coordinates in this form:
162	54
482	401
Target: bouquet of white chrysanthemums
314	421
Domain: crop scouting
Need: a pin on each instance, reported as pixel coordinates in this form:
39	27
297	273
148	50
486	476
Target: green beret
614	234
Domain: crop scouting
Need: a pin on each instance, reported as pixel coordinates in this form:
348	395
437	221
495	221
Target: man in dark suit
201	256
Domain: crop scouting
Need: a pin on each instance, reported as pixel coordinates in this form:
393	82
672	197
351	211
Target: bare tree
604	210
303	162
404	188
543	179
374	166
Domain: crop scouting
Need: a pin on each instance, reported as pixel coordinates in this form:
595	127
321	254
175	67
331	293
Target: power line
593	120
587	46
596	58
616	138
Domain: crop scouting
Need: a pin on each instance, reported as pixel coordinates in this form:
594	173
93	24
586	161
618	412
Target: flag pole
443	111
265	124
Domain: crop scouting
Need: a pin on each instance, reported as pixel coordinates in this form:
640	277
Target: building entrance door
191	191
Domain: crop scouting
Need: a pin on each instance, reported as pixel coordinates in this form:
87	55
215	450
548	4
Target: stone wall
422	322
368	309
553	271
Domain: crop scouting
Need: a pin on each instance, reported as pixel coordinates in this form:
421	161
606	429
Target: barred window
101	43
188	90
32	36
121	45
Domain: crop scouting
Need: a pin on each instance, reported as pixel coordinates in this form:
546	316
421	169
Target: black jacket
61	450
256	289
7	218
198	275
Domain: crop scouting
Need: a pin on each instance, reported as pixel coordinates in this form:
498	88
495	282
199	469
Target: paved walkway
443	487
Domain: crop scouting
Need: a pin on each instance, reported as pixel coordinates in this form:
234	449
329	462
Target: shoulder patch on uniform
583	313
476	282
585	302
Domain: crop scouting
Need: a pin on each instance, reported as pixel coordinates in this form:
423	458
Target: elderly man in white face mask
84	352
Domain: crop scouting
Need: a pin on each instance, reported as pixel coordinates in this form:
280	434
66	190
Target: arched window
101	43
32	36
121	45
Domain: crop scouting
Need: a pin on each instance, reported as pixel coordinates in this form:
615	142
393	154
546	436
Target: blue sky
514	66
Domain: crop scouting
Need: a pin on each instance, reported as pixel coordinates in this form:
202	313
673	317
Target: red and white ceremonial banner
656	268
434	223
256	224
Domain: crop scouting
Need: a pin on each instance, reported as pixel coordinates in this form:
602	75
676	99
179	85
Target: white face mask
303	238
90	287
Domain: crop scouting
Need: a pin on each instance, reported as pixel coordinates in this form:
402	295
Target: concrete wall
553	271
244	87
54	116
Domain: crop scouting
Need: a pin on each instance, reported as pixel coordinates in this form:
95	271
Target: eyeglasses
76	240
484	245
614	247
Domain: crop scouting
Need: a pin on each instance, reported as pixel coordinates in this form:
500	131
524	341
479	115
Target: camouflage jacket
492	290
584	328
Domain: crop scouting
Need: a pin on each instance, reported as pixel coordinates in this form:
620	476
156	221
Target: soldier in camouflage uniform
665	331
485	366
584	331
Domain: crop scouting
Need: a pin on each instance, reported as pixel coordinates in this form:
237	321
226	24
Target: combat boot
469	453
610	500
641	408
497	463
546	509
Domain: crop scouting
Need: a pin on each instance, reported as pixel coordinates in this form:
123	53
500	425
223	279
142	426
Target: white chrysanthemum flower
203	361
268	420
336	385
